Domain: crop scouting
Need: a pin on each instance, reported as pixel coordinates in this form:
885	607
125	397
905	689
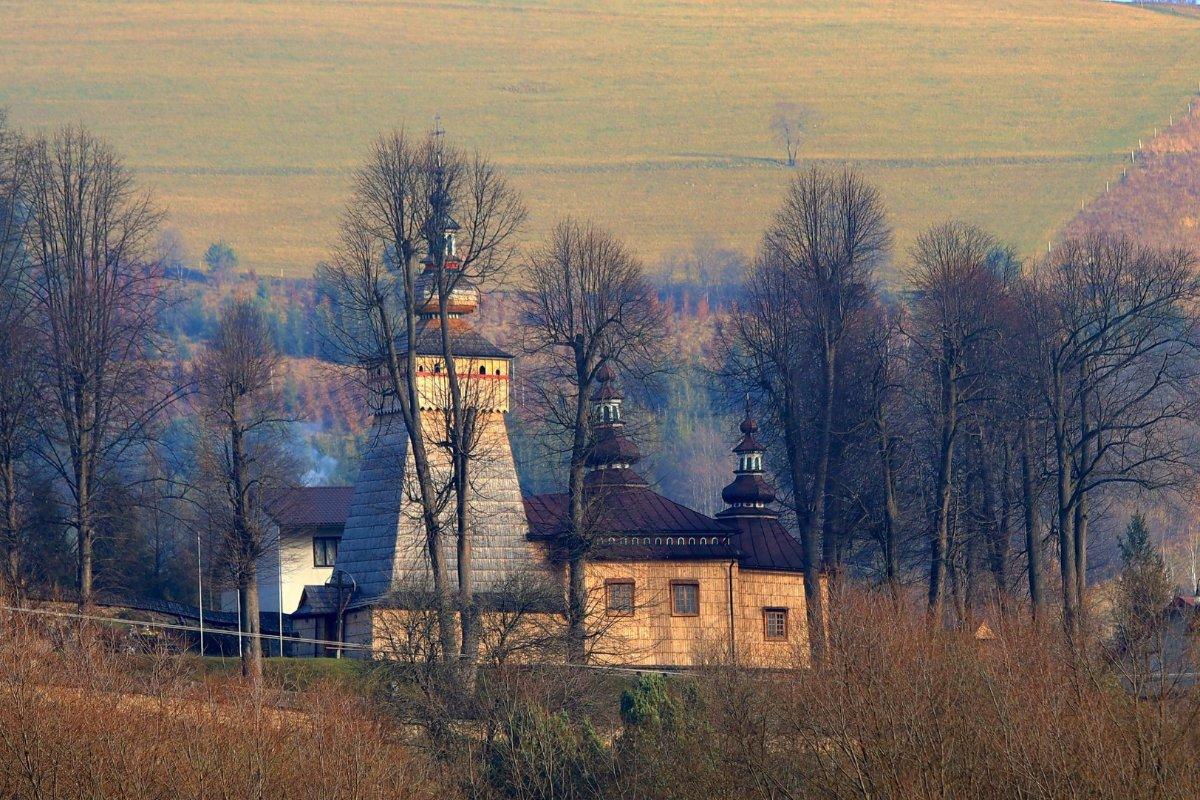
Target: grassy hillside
650	116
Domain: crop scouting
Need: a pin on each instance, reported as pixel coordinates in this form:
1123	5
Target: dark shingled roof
316	506
317	600
465	340
763	543
637	523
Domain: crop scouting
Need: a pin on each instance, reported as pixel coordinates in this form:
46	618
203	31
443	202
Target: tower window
685	598
325	551
775	627
620	596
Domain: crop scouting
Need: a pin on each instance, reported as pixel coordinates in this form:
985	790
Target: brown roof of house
315	506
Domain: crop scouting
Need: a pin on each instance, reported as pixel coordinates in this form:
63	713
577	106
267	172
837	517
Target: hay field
649	116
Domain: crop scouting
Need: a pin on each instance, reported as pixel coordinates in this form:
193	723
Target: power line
178	627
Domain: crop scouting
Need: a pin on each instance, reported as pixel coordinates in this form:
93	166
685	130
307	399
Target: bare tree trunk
404	382
251	624
1003	538
939	542
576	539
891	510
1081	511
1033	540
816	503
1066	524
83	532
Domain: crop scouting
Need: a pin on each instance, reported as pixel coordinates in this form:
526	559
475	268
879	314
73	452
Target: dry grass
77	722
651	117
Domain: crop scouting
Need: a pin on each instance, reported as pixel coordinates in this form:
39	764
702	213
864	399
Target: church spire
442	261
751	493
611	454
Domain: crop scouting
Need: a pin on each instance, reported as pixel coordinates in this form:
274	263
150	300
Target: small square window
325	551
685	598
775	627
620	597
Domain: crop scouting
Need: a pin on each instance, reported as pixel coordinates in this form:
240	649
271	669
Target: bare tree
884	350
954	297
1116	335
426	227
18	348
97	294
588	304
813	276
790	122
242	455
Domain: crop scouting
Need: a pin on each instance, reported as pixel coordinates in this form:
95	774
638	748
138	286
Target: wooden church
666	585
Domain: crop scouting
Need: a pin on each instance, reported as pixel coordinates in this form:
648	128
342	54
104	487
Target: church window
685	598
483	370
325	551
437	367
620	596
775	627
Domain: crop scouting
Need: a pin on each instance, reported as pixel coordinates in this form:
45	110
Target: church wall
758	590
652	635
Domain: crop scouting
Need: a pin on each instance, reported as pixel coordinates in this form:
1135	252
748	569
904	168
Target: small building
302	545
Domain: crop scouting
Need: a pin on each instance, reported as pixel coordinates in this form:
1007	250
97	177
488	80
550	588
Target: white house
309	523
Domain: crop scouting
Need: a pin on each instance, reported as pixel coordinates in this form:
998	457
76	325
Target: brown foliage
1157	200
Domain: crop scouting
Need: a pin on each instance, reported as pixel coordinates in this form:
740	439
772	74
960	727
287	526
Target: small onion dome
606	388
748	489
750	492
610	446
749	427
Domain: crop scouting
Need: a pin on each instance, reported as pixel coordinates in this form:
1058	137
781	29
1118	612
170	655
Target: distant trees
242	455
989	405
588	304
790	123
19	380
955	301
1143	589
220	259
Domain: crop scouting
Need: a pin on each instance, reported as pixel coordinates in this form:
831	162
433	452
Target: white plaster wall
296	548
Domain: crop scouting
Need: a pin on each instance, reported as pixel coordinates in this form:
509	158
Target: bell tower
384	546
750	494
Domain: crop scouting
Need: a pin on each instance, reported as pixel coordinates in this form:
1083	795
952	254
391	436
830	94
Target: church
667	586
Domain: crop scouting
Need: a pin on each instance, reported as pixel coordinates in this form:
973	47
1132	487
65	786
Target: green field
650	117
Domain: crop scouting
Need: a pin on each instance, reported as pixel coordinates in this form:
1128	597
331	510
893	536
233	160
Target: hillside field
649	116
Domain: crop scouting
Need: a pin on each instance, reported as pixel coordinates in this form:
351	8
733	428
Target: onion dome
610	448
751	493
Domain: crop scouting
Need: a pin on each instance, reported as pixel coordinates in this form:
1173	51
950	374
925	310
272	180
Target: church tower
750	495
384	545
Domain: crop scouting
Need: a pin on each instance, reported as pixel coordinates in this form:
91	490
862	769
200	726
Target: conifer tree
1143	589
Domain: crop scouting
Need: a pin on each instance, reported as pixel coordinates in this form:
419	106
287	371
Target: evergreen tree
1143	589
